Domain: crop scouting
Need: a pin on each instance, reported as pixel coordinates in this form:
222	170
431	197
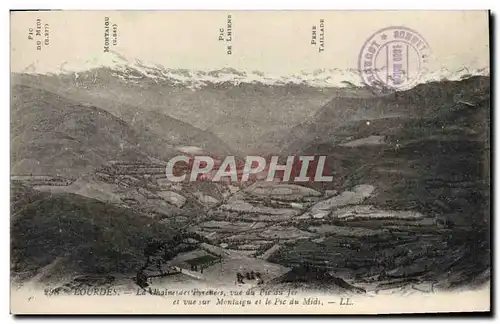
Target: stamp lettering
393	58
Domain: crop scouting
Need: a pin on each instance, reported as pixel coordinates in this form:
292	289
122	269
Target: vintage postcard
250	162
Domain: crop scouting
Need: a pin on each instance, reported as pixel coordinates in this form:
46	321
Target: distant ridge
135	70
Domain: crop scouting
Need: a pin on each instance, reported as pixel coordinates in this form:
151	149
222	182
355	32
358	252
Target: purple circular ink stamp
394	58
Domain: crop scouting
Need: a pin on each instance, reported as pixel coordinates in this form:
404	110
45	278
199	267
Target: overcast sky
276	42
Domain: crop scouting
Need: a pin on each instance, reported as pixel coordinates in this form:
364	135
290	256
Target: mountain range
252	112
134	70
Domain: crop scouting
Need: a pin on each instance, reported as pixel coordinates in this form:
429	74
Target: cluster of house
240	278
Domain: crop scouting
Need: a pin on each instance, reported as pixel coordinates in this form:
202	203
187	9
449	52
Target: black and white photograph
250	162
